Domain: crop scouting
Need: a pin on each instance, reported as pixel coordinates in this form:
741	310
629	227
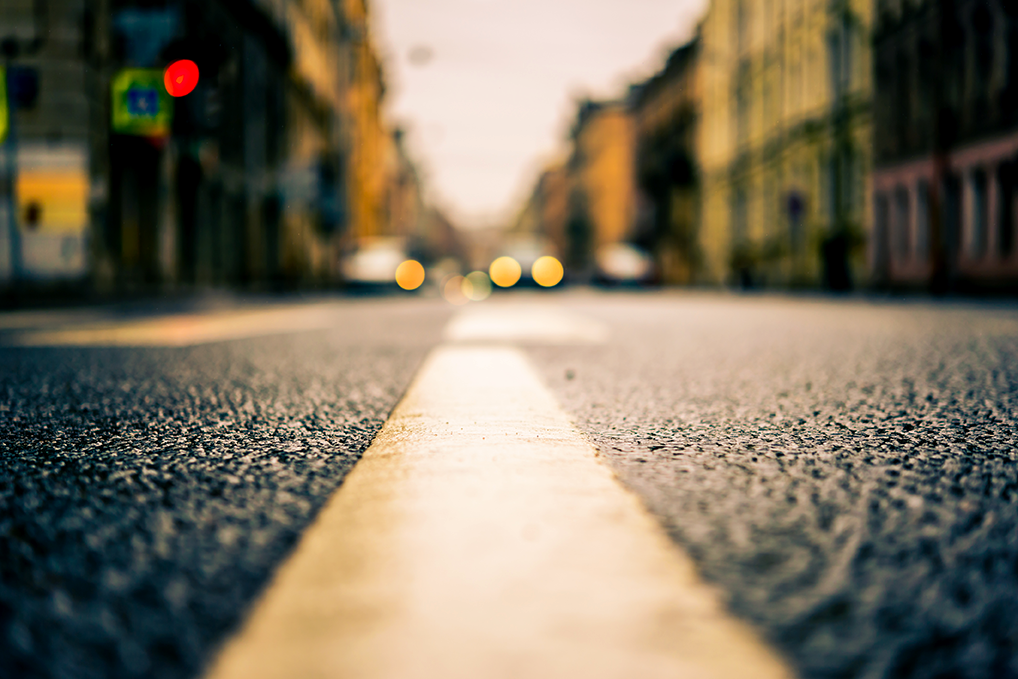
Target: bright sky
496	98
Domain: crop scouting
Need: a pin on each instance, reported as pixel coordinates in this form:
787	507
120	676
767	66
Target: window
849	177
839	56
739	226
770	204
840	186
881	226
902	223
742	26
795	206
834	63
978	215
1007	181
742	104
830	187
922	219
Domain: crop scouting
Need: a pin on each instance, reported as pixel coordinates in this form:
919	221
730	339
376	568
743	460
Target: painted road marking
498	322
20	320
180	330
524	323
479	537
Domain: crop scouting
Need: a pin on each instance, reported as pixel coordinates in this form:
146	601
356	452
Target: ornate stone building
784	141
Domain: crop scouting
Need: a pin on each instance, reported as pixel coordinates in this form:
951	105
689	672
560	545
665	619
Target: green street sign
141	105
4	122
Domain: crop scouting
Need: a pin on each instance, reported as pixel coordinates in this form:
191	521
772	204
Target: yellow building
602	199
784	141
307	244
585	202
337	131
368	142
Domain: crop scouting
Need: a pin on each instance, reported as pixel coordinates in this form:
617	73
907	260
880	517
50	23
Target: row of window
903	215
788	91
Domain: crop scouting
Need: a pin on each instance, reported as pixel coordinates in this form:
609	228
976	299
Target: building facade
784	142
602	189
367	140
667	214
545	215
946	144
257	178
44	159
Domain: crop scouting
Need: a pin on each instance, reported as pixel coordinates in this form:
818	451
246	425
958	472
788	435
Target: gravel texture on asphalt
147	494
845	472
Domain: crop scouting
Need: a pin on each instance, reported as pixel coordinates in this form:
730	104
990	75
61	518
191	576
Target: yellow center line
179	330
480	537
526	323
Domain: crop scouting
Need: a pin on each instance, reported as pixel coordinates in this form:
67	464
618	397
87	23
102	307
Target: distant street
842	471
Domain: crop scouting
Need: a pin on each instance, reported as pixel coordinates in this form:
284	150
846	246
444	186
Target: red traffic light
180	77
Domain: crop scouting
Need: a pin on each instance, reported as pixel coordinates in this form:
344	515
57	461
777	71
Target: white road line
479	537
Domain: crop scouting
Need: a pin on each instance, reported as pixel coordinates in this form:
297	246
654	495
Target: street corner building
946	145
260	177
785	142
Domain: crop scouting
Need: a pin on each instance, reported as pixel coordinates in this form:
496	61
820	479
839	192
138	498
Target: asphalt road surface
844	471
147	493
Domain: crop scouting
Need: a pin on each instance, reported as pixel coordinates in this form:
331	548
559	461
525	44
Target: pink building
946	144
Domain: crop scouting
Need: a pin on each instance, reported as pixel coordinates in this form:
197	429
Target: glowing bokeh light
477	286
505	272
180	77
547	271
453	290
410	275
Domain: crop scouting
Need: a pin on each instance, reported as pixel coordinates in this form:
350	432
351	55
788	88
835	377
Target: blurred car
372	265
623	264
